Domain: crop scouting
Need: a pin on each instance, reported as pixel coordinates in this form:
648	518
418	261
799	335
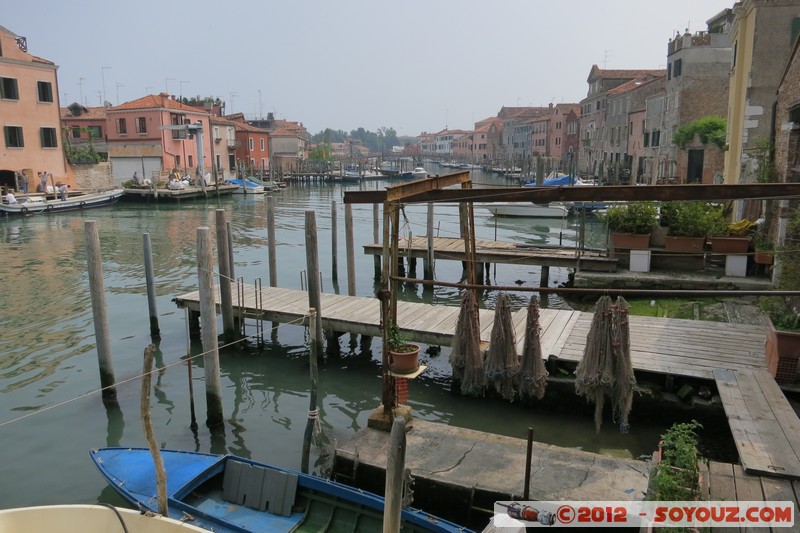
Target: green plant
676	475
694	219
632	217
788	255
780	312
398	342
710	129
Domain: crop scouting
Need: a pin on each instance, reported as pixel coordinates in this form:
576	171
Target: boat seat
259	488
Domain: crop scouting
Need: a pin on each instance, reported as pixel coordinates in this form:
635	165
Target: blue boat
247	186
226	493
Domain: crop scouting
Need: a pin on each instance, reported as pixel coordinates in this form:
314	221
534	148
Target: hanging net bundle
532	376
502	363
605	370
465	357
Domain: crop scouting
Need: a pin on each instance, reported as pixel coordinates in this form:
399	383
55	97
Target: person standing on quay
43	177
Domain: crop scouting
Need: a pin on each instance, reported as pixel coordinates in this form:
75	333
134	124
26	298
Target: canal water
51	414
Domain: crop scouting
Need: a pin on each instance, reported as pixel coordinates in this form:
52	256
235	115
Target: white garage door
122	168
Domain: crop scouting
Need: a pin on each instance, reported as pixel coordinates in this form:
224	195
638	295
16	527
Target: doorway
694	169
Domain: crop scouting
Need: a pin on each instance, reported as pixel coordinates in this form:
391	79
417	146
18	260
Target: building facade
30	117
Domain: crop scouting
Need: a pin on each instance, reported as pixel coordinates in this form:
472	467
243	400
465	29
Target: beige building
30	116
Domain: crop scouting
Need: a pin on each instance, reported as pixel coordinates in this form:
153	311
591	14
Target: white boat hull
35	205
88	519
530	210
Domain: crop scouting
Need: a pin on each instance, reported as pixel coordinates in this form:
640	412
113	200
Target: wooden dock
501	252
763	424
159	194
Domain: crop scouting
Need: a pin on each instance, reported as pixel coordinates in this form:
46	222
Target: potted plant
732	238
631	223
782	349
403	355
689	223
676	475
764	249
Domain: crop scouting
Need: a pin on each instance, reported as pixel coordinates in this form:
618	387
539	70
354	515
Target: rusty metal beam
588	193
399	193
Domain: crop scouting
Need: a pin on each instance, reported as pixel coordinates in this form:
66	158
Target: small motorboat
226	493
246	186
89	519
529	209
75	201
419	173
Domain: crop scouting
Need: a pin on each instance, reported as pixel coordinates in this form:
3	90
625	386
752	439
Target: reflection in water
49	354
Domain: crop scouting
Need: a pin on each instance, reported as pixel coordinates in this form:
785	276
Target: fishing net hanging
502	362
465	357
605	370
532	376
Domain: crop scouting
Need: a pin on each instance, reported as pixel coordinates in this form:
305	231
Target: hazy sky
414	65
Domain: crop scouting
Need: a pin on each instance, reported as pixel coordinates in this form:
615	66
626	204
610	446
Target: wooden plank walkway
729	482
764	425
501	252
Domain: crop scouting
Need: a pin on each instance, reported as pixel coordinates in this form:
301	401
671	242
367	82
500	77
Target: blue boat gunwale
333	488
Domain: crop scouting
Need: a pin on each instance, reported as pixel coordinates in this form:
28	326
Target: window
191	161
263	160
678	67
45	89
216	133
141	125
669	71
262	145
122	126
178	161
251	144
656	138
219	161
96	132
48	136
13	135
75	132
646	139
176	120
8	89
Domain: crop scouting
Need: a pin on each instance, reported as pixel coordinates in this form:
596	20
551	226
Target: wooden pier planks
452	248
680	347
765	428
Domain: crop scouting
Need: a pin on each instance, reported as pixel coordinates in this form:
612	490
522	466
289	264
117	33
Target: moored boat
528	209
35	204
226	493
419	173
89	519
246	186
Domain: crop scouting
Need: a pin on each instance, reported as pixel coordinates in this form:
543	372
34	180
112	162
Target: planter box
684	244
762	257
782	351
630	241
730	245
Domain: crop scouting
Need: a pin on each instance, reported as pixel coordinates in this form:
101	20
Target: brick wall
93	177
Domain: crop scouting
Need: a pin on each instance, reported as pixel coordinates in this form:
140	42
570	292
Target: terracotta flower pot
763	257
404	362
730	245
684	244
782	351
631	241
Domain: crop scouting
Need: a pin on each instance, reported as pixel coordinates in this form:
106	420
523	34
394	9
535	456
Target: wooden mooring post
155	331
208	328
395	470
351	253
334	244
225	278
273	261
376	237
312	267
313	412
100	312
428	266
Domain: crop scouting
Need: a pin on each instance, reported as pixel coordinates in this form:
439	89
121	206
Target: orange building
30	116
138	141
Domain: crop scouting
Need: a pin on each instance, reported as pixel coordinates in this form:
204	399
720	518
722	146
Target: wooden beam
398	193
589	193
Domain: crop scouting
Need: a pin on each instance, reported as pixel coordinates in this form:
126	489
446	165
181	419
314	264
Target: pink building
30	116
138	142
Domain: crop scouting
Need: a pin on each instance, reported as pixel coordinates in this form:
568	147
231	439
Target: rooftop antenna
103	74
118	86
606	55
80	84
166	84
232	95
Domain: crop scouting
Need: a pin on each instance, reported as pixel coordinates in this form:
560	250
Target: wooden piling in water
428	266
208	320
313	412
229	234
155	331
376	237
147	424
225	278
350	245
312	267
273	261
334	244
395	469
100	312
